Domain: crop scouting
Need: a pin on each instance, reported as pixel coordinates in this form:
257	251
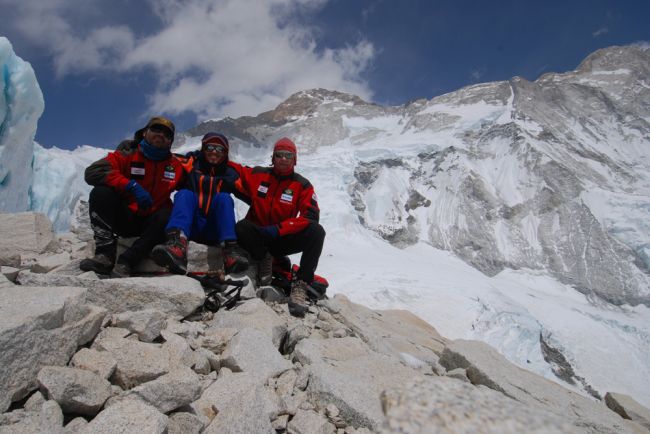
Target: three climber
131	197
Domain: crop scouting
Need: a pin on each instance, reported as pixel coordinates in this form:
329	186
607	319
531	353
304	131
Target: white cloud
210	57
600	32
65	29
242	57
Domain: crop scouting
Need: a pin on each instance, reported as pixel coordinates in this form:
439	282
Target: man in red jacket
282	219
131	197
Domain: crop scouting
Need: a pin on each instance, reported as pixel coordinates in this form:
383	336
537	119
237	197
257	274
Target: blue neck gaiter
153	153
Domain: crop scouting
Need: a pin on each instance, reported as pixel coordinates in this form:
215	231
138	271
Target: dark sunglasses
284	154
161	129
214	148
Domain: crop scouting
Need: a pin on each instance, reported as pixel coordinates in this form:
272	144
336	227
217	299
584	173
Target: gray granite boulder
485	366
40	327
216	340
395	333
76	426
170	391
137	362
178	350
99	362
109	333
47	263
129	416
285	383
186	329
76	390
25	232
35	401
146	323
310	422
184	423
348	374
9	259
447	406
254	314
237	403
174	295
9	272
5	282
295	333
243	354
48	418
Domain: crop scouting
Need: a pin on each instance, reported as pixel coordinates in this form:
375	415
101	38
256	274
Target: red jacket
286	201
159	178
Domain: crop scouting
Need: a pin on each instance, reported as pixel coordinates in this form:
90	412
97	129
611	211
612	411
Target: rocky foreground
82	354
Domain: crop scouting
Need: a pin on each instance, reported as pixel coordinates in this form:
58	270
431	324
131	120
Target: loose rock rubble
139	355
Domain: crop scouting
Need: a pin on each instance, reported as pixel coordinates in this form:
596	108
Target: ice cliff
21	105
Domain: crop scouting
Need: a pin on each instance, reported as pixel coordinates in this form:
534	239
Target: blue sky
105	66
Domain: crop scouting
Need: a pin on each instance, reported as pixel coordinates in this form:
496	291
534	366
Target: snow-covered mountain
512	212
550	175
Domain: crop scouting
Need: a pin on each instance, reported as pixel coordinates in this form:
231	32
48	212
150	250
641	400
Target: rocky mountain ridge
82	354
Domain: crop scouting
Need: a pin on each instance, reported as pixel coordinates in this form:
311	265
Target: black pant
309	242
110	217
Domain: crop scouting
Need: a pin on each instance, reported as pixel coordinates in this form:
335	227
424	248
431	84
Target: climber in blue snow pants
204	210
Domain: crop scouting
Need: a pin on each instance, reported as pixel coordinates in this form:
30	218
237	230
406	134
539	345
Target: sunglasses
214	148
284	154
161	129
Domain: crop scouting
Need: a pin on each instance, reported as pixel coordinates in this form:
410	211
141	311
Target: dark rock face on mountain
546	175
315	115
154	361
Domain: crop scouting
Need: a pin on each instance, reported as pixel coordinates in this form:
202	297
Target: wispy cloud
369	10
542	69
476	74
600	32
642	44
209	57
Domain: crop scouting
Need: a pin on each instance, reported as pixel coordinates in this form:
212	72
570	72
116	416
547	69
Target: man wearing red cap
282	219
203	211
131	197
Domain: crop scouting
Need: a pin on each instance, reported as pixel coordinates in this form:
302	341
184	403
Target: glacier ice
58	181
21	105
